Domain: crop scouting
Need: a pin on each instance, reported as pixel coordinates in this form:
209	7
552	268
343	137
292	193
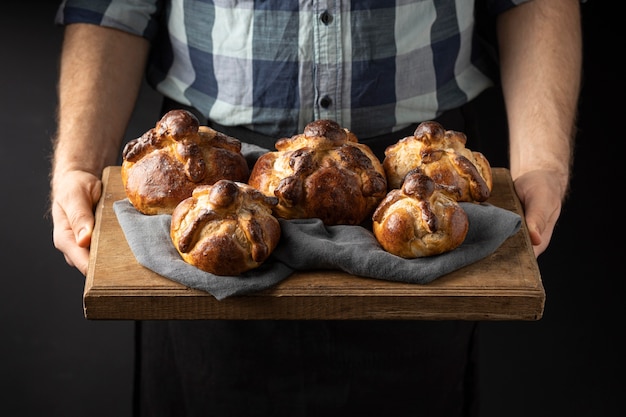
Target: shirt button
325	102
326	17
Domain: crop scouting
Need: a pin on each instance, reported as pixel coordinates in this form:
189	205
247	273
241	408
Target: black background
54	362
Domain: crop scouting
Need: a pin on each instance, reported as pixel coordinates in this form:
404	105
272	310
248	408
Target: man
262	71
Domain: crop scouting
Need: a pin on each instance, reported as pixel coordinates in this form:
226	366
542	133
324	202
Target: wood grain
504	286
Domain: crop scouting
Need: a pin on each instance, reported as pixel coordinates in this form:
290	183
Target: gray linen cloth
308	244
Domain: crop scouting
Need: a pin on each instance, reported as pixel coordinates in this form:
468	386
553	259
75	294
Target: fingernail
81	234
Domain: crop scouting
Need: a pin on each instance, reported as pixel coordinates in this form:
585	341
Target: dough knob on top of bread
226	228
322	173
420	219
443	156
163	166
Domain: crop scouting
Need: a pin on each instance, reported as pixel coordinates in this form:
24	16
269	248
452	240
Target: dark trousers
316	368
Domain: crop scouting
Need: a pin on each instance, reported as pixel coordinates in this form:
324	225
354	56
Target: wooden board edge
526	307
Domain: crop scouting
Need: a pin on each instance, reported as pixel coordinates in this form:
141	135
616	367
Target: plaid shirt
273	66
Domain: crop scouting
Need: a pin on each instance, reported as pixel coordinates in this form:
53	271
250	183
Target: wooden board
504	286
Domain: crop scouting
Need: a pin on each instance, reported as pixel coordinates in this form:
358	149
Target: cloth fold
308	244
149	240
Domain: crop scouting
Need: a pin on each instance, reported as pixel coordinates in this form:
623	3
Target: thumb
82	217
77	205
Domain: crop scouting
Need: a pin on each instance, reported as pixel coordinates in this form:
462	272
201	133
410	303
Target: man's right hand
74	198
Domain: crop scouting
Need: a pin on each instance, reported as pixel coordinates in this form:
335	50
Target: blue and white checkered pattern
374	66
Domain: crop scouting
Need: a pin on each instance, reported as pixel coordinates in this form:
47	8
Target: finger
541	221
73	222
79	211
540	194
78	258
65	241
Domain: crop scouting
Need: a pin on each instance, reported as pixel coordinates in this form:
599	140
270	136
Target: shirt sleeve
139	17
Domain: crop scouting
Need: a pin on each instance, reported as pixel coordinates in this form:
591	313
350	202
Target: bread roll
164	165
322	173
420	219
442	155
226	228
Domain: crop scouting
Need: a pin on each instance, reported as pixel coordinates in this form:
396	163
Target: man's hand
540	193
74	197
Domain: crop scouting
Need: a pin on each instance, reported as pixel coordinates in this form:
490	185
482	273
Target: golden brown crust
322	173
163	166
442	155
419	219
226	228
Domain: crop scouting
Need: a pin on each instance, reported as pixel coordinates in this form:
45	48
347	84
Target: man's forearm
100	76
540	51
